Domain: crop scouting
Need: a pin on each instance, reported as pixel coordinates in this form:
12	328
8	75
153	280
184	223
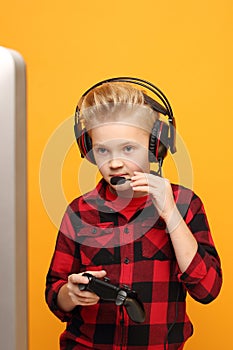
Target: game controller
120	295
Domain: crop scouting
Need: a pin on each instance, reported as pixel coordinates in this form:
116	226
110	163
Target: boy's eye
128	149
101	150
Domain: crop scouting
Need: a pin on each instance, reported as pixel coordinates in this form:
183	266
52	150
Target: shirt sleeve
203	277
65	261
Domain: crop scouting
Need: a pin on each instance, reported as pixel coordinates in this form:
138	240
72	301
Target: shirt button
160	223
126	230
126	261
94	230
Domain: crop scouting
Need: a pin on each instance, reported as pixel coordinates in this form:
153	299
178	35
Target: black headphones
163	135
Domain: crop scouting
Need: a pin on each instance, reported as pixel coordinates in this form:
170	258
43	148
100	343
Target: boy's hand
83	298
159	189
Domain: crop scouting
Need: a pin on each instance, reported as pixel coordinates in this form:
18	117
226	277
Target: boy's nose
116	163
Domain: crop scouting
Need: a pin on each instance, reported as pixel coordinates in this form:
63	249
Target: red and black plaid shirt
135	250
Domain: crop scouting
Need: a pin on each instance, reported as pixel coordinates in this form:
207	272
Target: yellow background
184	47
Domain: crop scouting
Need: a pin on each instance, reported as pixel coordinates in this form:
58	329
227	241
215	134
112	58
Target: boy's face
119	150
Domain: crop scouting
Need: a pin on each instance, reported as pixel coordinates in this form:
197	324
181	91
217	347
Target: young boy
142	232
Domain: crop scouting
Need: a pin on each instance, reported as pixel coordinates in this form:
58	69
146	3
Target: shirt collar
98	196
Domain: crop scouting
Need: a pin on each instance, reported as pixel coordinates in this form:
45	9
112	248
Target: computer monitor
13	202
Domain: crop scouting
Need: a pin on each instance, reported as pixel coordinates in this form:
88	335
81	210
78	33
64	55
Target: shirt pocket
98	246
156	244
99	235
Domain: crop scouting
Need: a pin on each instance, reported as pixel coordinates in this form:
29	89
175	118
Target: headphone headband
140	82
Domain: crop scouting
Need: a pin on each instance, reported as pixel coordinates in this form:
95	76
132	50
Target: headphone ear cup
84	144
159	141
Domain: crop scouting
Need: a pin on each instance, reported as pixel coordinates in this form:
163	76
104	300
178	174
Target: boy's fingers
79	278
98	274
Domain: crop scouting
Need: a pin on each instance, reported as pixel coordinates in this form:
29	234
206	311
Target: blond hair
117	101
